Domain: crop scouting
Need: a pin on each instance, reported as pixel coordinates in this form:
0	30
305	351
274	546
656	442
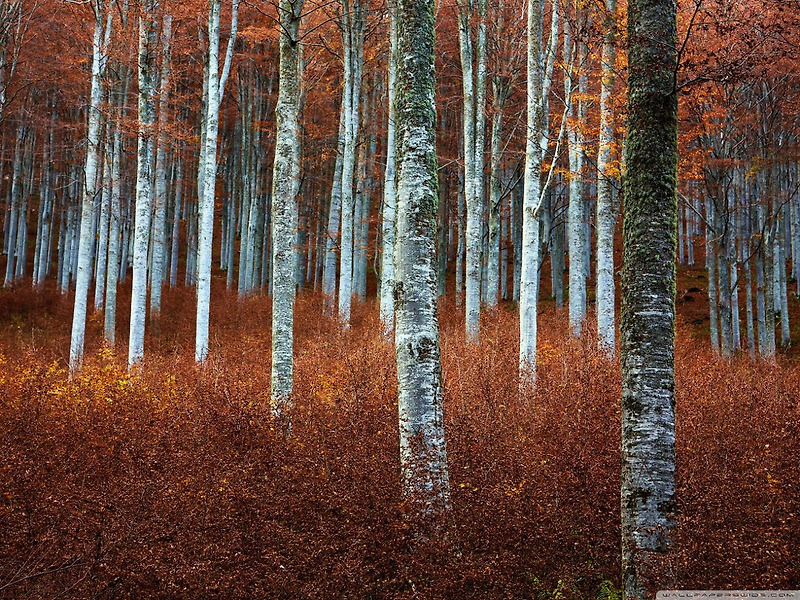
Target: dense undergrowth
170	483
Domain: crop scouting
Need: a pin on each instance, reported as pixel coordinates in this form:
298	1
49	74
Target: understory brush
171	482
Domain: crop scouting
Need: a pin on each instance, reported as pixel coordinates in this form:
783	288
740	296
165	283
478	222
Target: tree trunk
285	185
148	39
473	67
91	178
711	266
648	297
159	248
353	49
16	192
606	212
423	454
334	220
576	231
208	168
389	187
113	159
499	96
176	222
529	276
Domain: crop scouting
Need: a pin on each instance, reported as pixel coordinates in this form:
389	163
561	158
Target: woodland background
169	481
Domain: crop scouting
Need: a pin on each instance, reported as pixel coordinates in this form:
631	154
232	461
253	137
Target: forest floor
170	483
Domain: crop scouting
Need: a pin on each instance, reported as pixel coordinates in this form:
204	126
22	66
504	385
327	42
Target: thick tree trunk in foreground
648	297
423	455
285	184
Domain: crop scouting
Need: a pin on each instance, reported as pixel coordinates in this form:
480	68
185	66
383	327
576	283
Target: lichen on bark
648	297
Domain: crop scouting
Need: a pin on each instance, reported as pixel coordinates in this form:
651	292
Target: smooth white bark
285	185
353	49
208	167
91	192
159	249
423	454
606	211
144	187
389	188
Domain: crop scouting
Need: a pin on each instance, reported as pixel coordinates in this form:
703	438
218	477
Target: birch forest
402	299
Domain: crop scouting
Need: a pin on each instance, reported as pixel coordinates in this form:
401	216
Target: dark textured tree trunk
648	298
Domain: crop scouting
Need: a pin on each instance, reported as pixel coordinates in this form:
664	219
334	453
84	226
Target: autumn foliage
171	483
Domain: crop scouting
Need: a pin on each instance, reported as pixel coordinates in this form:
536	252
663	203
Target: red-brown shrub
172	484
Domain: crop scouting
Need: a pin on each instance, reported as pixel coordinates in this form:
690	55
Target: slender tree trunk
529	277
499	96
285	185
353	48
103	227
462	247
208	168
159	248
334	219
473	67
91	178
606	212
148	39
113	158
751	341
44	236
576	239
720	249
176	222
779	261
711	266
16	192
648	297
761	299
389	187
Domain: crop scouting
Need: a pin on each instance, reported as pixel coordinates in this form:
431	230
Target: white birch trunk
711	265
576	232
334	219
113	158
285	185
13	215
91	169
423	454
389	188
144	189
102	242
531	204
208	168
353	38
46	213
606	212
499	96
472	194
159	249
647	325
176	222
